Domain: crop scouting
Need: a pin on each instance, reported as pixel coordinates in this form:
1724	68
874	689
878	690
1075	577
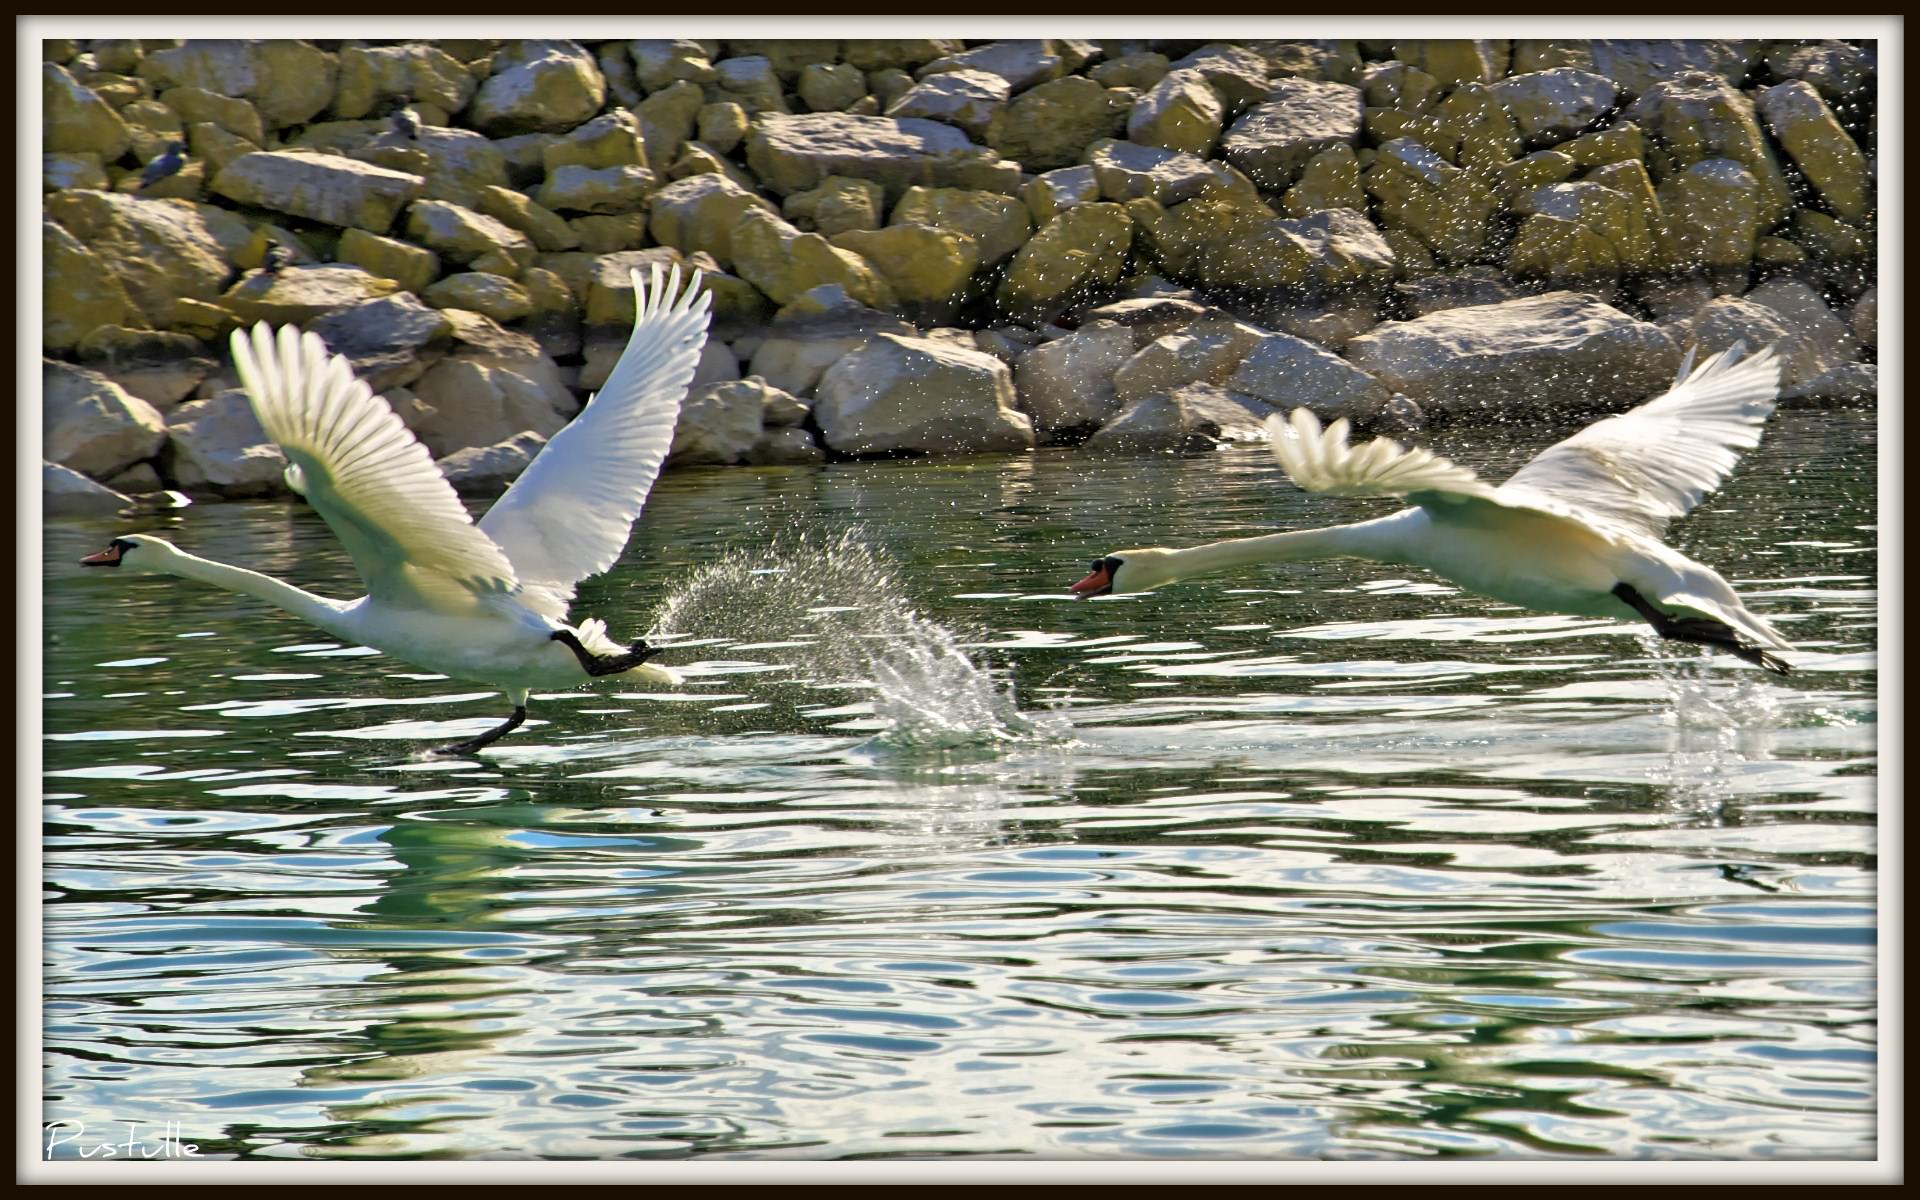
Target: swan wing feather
363	471
1322	460
569	514
1656	462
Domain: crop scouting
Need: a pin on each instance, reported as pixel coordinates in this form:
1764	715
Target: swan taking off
1577	530
486	602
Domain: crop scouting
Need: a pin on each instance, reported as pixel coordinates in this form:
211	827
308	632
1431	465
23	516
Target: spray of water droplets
834	611
1718	726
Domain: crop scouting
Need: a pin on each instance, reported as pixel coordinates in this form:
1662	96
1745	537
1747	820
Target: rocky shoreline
930	246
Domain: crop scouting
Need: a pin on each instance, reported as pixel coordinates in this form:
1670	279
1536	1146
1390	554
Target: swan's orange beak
1096	584
110	557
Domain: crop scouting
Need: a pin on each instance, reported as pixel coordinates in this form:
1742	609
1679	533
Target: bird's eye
1098	563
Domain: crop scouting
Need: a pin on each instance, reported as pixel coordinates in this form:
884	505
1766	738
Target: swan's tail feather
1318	460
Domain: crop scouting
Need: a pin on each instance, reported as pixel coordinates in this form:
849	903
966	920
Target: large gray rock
160	368
78	293
460	164
1202	353
1637	64
162	251
89	423
1154	423
1821	340
1699	117
1552	106
1288	372
720	423
1125	171
297	295
371	76
1021	63
477	403
1067	384
1807	128
217	445
66	492
1222	414
288	81
915	394
538	87
1560	350
490	470
968	100
1049	126
794	153
461	235
1083	248
74	119
320	187
698	214
390	341
1847	384
1182	113
1303	117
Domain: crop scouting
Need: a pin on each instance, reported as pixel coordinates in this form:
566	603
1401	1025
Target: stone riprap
938	245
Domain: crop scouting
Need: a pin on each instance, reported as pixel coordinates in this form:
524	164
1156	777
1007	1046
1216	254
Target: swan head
135	552
1125	571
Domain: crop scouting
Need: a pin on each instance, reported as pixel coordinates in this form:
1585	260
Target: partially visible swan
487	602
1577	530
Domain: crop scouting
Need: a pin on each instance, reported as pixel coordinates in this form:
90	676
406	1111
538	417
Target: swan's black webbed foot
605	664
474	745
1701	631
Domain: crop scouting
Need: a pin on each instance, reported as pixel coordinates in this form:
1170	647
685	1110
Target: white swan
486	602
1577	530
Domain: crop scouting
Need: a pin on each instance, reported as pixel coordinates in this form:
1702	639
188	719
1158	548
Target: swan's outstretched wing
363	471
568	515
1647	466
1320	460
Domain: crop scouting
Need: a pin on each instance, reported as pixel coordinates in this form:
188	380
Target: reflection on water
927	859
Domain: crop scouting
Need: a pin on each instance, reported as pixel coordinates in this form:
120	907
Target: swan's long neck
318	610
1381	539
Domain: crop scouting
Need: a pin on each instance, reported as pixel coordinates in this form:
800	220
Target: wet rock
77	121
720	423
1699	117
966	99
1083	248
491	470
912	394
1447	208
1841	72
160	368
79	293
1222	414
1217	244
1053	192
1636	65
1287	372
91	424
1821	340
699	212
216	445
1181	113
65	492
1847	384
1067	384
1806	127
1722	322
1048	127
1274	139
795	153
1561	350
998	224
538	87
161	250
390	341
1153	423
1174	360
319	187
785	447
1864	320
289	82
1713	214
1552	106
1125	171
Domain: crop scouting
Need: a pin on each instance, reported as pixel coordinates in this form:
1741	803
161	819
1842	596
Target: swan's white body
480	602
1580	519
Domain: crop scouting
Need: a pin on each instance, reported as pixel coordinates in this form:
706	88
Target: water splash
1718	727
834	611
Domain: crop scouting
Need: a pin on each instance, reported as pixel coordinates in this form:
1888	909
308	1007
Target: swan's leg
472	745
1701	631
605	664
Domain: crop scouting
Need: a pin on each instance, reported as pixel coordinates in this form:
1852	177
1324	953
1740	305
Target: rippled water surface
926	859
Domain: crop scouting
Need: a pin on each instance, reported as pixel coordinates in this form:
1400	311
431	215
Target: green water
1324	861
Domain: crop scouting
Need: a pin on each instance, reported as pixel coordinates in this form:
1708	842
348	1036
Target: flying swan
1577	530
487	602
